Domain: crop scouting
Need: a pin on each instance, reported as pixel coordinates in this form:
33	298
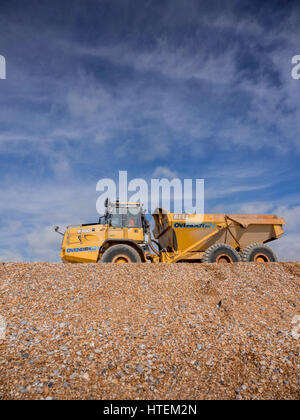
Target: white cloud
291	215
8	255
163	172
44	243
287	247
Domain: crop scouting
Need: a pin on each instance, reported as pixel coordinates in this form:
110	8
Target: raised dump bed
206	237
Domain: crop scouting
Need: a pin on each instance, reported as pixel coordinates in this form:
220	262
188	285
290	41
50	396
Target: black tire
221	253
258	253
121	253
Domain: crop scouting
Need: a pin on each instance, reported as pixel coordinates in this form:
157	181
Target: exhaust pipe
57	231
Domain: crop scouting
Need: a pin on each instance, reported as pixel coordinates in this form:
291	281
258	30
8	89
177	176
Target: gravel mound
149	331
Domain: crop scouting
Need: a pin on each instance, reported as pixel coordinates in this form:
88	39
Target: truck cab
123	226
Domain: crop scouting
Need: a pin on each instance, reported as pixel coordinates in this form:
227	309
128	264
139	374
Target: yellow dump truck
123	235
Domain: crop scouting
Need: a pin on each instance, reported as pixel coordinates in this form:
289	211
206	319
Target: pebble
194	332
139	369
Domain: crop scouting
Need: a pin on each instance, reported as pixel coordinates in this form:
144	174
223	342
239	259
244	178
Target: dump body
188	236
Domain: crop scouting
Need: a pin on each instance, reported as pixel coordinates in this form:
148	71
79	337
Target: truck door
115	227
133	223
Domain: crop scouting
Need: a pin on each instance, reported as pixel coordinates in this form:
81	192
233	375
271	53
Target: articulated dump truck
123	235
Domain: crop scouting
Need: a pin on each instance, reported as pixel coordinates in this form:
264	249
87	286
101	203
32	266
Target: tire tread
246	252
208	253
122	249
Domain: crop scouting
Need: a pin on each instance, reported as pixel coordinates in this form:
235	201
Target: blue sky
194	89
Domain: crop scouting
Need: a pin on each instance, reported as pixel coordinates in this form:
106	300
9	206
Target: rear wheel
221	254
258	253
120	254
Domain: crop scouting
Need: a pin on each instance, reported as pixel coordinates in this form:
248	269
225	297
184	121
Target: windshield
126	220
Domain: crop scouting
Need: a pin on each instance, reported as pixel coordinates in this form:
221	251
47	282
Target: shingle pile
149	331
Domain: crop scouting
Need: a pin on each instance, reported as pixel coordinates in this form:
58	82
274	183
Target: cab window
116	220
126	220
132	220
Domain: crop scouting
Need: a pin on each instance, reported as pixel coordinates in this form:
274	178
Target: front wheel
120	254
221	254
258	253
